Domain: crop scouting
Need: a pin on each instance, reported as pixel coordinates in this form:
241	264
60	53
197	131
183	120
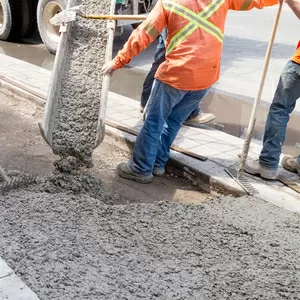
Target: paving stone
12	287
185	142
202	139
188	131
117	116
123	108
135	113
206	151
222	146
224	159
133	122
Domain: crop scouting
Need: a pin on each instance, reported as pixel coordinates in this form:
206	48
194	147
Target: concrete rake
236	174
13	183
256	103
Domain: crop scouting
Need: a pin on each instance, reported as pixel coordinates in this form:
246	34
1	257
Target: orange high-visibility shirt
194	41
296	57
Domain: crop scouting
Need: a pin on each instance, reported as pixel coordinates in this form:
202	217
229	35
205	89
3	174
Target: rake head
17	182
242	180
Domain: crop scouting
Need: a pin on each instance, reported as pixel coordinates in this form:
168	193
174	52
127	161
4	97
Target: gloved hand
108	69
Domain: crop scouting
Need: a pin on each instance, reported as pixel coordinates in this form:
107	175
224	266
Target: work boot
290	164
124	170
255	168
157	171
200	119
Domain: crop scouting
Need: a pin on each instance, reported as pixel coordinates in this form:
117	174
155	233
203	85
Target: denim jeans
159	58
167	110
284	101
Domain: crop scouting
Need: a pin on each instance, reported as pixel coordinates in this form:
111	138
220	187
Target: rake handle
114	17
259	92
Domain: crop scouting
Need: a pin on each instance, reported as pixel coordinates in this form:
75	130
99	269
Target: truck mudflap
74	116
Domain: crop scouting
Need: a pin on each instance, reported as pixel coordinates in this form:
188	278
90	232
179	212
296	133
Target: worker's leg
159	58
287	93
161	102
179	113
284	101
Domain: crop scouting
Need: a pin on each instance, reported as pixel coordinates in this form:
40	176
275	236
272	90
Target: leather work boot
290	164
124	170
200	119
158	171
255	168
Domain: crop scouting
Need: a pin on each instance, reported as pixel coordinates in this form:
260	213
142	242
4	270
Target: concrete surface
77	247
221	148
68	246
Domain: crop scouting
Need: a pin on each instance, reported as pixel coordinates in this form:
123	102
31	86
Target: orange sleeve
249	4
143	36
296	57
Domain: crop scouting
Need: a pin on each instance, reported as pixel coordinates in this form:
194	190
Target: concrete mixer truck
21	18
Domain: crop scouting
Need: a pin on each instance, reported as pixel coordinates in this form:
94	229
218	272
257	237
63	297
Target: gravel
77	113
68	245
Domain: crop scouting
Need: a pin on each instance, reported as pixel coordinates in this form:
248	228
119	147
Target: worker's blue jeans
167	109
159	58
284	101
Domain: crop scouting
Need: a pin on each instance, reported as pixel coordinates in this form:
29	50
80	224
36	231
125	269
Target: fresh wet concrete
76	115
74	246
130	241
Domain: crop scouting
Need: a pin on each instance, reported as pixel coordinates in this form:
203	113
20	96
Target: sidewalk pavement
27	80
12	287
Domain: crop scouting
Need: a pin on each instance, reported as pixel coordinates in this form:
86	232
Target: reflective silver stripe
174	41
206	14
196	20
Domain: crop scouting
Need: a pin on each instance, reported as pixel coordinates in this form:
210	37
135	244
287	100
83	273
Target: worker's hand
108	68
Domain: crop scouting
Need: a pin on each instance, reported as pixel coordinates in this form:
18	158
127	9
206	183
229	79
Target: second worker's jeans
284	101
167	109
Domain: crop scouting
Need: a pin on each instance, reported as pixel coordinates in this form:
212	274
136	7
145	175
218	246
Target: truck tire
46	9
28	24
10	20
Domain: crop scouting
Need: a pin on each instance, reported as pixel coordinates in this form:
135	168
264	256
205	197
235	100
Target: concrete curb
206	175
187	167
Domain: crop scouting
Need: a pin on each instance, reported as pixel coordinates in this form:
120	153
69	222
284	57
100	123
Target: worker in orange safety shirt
284	101
193	53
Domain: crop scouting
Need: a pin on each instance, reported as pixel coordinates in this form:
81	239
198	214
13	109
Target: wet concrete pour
74	246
